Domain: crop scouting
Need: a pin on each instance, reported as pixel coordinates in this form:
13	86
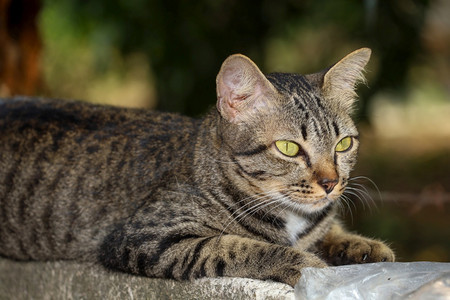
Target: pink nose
328	184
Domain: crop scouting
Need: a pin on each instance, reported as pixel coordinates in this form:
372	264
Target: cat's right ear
242	89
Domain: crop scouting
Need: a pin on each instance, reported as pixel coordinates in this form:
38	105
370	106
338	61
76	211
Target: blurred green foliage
186	41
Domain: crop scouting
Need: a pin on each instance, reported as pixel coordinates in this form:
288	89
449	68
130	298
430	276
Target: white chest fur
295	225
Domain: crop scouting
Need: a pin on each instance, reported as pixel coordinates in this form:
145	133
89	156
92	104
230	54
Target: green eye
344	144
288	148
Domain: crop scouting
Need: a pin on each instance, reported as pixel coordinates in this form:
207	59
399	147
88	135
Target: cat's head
290	137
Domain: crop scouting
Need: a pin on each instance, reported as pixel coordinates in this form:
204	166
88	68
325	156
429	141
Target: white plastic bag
415	280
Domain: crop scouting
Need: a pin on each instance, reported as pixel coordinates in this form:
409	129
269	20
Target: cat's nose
328	184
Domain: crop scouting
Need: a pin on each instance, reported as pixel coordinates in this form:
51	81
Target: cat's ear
339	82
242	89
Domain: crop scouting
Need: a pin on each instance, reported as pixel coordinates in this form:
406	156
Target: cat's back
72	166
39	113
98	137
56	131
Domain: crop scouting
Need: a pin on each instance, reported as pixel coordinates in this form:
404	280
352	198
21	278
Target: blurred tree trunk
20	48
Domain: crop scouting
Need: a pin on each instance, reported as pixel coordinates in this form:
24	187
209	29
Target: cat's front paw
357	250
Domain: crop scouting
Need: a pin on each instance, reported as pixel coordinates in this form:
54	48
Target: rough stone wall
69	280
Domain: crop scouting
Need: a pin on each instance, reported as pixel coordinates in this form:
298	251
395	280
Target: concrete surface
69	280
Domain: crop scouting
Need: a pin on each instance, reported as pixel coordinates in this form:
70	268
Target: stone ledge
69	280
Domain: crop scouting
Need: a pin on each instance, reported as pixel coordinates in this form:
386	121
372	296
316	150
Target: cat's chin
318	206
309	206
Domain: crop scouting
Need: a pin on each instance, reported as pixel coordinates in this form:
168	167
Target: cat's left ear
242	89
340	81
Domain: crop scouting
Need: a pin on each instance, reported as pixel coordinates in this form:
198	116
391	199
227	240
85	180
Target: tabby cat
251	190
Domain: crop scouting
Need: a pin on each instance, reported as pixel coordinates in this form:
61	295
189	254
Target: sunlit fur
162	195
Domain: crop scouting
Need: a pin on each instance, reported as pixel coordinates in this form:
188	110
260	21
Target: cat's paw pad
359	251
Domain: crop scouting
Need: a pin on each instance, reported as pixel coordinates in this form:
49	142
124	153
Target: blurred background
165	55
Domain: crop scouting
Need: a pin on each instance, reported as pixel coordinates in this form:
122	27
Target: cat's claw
357	250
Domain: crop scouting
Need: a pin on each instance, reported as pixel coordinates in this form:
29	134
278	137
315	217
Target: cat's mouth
309	203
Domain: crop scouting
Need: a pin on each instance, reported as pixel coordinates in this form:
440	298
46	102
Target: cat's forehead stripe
299	90
290	83
302	95
304	132
336	128
298	103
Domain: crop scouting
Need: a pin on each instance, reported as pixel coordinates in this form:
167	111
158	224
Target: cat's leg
339	247
229	255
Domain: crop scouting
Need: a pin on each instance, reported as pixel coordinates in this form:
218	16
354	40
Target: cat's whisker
254	209
371	182
278	201
290	204
281	201
367	195
244	210
367	191
361	199
361	188
347	201
364	195
266	199
340	206
255	198
287	205
273	190
242	215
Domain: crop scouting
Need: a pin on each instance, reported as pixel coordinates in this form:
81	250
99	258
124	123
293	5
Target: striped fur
167	196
